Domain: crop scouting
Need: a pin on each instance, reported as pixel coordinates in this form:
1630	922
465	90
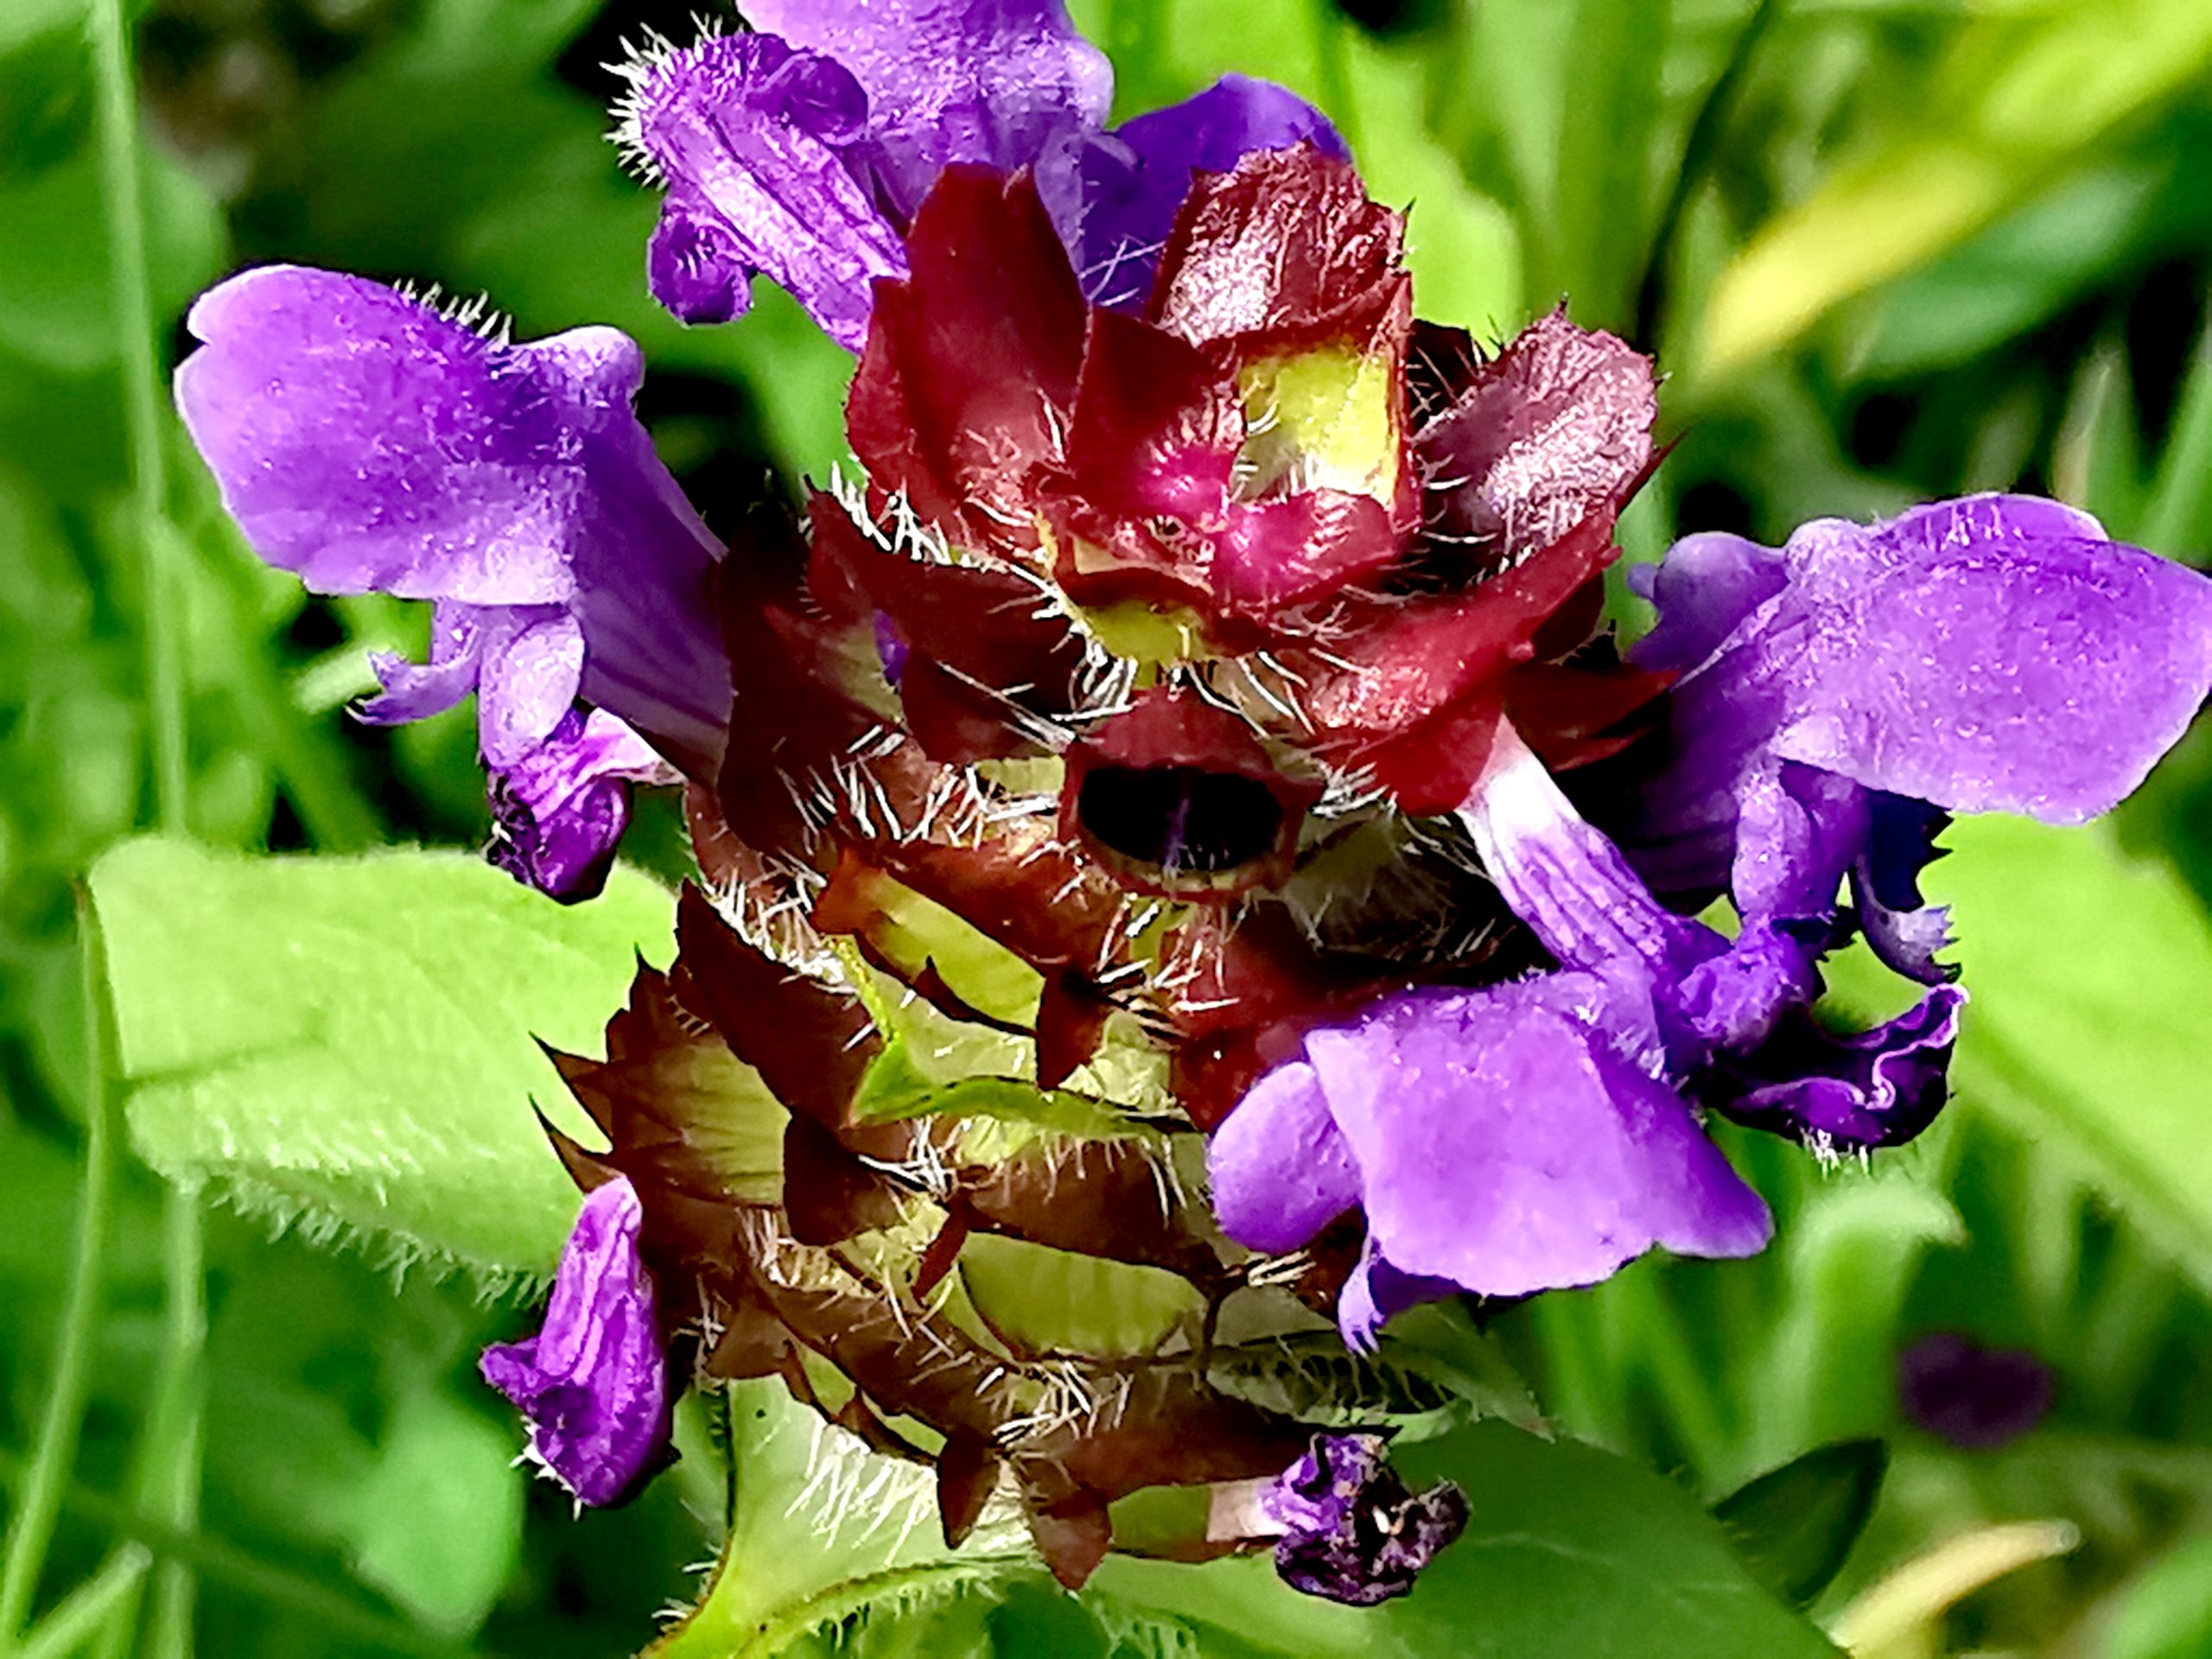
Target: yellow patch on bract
1321	420
1145	633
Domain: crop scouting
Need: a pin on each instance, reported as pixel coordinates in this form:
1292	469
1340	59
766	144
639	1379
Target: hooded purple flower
1841	694
1115	206
802	152
1995	652
1983	653
371	444
752	138
593	1383
1511	1138
559	812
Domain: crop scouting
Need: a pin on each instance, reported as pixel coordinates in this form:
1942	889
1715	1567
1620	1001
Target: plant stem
32	1529
220	1562
82	1612
141	403
171	1457
169	1478
1706	130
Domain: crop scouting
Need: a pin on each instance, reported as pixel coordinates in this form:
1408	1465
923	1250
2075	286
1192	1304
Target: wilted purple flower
802	152
1977	1398
559	811
370	443
593	1383
1353	1531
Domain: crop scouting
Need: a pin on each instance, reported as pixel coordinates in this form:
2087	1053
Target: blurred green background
1884	249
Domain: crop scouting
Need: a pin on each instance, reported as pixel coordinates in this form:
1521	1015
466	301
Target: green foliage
2088	1014
1571	1553
2167	1614
2011	103
436	1521
349	1042
1793	1526
819	1528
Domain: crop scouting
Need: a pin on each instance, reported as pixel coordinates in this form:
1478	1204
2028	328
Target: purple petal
1279	1170
528	680
1708	586
1904	931
593	1383
753	139
419	690
1571	885
694	265
1504	1146
370	444
1799	831
559	810
1879	1088
1377	1293
1977	1398
1986	674
1995	654
1353	1531
997	82
1126	186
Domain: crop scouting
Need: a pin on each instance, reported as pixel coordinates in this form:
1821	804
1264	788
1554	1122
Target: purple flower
593	1383
1977	1398
995	81
803	152
1535	1135
753	139
371	444
559	811
1840	693
1352	1531
1836	699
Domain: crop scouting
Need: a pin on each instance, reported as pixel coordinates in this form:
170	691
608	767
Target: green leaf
2167	1613
2091	974
2011	278
1571	1553
2014	101
1601	226
2177	518
55	274
1794	1527
437	1523
822	1529
1850	1251
351	1041
2096	461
